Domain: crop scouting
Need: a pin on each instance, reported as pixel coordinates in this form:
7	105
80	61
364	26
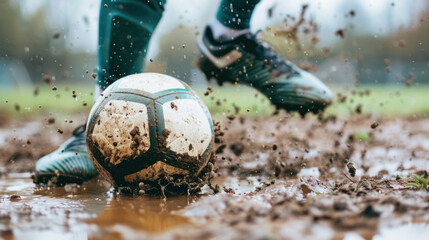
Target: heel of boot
210	70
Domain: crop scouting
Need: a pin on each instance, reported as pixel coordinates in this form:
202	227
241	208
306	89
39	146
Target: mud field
277	177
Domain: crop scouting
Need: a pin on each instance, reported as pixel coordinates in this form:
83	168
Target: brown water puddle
92	210
79	212
95	211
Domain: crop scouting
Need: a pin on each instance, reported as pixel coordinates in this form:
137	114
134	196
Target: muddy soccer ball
146	127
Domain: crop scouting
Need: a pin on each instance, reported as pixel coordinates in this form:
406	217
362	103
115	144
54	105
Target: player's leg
125	29
230	53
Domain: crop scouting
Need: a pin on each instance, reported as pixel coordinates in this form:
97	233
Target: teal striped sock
125	29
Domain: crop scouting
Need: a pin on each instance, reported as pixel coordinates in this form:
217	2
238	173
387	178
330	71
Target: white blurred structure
373	17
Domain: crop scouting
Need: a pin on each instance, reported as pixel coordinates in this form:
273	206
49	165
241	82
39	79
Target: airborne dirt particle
60	131
358	109
220	149
51	120
237	148
231	117
270	12
375	125
387	61
341	98
341	33
56	35
94	75
47	79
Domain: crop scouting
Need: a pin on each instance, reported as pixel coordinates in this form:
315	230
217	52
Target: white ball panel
190	131
115	130
154	171
150	82
100	99
95	107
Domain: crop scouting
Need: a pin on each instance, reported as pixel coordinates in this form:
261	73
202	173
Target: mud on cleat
70	163
246	60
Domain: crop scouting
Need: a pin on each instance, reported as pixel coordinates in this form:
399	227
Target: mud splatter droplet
375	125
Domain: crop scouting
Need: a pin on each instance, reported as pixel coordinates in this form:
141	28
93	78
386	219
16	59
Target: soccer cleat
70	163
246	60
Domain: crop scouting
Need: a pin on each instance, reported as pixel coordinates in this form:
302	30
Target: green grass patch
363	136
418	182
381	101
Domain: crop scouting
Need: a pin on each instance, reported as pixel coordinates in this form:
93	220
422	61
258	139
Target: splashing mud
277	177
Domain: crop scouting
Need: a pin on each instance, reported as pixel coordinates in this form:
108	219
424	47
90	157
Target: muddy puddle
95	211
278	178
79	212
92	210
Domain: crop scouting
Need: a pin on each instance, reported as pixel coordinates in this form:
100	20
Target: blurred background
373	44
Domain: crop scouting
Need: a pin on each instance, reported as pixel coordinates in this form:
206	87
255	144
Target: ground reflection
74	211
150	214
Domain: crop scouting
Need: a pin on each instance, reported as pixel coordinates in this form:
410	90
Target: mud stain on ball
130	140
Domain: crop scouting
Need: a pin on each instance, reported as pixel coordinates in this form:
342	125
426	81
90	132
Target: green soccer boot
246	60
70	163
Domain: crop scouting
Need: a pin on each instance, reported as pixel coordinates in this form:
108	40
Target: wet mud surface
277	177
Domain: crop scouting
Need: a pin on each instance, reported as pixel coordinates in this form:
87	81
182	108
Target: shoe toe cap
67	163
308	85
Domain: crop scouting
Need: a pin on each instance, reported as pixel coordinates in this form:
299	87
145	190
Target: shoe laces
78	143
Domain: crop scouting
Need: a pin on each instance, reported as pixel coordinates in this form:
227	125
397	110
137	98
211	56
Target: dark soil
277	177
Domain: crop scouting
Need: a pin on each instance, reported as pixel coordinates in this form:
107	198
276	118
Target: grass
418	182
363	136
382	101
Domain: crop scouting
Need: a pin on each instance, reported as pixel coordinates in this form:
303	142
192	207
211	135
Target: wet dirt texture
277	177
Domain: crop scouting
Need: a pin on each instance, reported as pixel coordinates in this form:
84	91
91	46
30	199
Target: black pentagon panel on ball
122	133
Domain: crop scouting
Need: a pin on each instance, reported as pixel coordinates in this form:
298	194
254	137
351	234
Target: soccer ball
146	127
